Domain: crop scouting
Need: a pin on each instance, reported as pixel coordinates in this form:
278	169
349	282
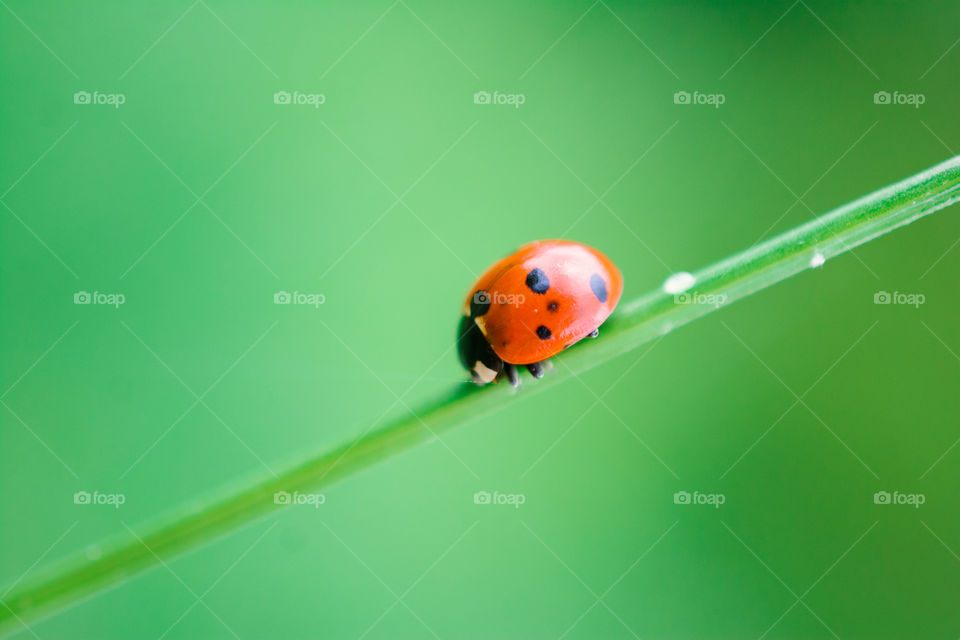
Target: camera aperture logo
512	499
512	99
97	498
709	99
297	297
97	297
485	298
912	499
911	99
695	297
910	299
98	98
312	499
696	497
298	97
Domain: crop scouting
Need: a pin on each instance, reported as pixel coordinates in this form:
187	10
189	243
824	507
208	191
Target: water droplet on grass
817	260
679	282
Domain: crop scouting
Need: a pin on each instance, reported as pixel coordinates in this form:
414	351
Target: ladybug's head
475	352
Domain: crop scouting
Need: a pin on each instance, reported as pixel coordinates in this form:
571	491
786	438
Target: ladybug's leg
536	369
594	333
511	373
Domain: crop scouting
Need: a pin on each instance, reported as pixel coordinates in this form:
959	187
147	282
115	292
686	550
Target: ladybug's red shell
544	298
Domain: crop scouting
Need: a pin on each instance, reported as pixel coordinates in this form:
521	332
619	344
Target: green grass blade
636	322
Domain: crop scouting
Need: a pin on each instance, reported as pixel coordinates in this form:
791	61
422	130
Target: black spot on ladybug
552	306
543	333
537	281
599	287
480	304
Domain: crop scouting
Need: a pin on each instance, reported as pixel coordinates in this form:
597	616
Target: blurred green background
199	198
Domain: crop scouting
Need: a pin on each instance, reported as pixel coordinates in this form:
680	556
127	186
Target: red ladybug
532	305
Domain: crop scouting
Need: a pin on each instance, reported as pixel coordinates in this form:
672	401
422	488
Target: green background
200	198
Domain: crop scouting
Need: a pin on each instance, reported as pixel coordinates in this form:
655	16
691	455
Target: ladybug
533	304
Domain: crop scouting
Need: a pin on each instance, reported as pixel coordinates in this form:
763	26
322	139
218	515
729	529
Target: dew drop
679	282
817	260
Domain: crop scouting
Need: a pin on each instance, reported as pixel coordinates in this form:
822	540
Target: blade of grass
636	322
